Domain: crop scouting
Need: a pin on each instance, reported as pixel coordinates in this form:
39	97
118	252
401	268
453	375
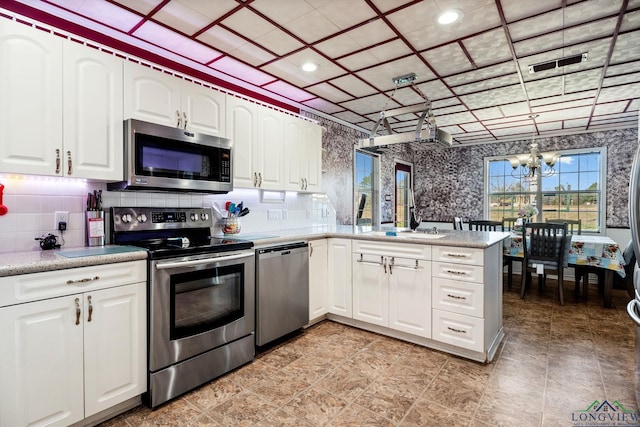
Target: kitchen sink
406	234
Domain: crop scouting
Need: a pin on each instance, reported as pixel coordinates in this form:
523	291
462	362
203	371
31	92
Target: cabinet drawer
392	249
458	255
460	272
458	297
36	286
458	329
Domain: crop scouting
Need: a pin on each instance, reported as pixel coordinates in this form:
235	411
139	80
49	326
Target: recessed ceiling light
449	16
310	66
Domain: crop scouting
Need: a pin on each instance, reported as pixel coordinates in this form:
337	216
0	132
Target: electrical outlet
274	215
61	216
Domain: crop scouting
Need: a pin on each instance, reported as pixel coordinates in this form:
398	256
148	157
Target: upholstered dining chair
484	225
544	246
457	223
509	224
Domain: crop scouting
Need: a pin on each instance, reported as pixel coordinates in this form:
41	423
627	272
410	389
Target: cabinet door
93	114
410	296
41	363
151	95
203	109
242	129
339	263
318	274
313	157
114	346
269	156
370	289
294	152
30	100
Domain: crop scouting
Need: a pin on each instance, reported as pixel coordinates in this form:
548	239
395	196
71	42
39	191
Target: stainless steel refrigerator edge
633	308
282	291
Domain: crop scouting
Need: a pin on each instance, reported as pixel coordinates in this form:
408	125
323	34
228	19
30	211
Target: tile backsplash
32	202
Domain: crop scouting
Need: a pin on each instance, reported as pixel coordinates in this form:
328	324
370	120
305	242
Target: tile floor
554	361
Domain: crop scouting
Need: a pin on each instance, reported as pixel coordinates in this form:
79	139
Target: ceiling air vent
557	63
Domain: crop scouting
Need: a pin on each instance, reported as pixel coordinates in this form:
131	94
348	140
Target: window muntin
575	191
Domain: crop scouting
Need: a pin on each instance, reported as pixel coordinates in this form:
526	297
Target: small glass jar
230	225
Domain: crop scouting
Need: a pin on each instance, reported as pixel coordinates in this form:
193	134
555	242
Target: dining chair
572	224
484	225
457	223
509	224
544	246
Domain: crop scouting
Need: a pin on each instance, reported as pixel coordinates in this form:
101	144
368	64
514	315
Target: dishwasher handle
284	248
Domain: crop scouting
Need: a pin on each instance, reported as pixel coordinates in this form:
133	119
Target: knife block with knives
95	219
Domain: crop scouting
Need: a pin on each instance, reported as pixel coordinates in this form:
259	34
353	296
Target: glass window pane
589	180
590	162
568	163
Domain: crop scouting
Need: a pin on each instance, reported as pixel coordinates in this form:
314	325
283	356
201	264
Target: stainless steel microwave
163	158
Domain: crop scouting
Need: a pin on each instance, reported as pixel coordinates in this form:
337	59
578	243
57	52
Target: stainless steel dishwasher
282	290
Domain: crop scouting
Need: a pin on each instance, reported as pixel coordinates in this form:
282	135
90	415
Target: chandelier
527	166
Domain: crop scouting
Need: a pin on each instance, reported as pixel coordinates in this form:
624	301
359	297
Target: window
575	191
366	188
403	187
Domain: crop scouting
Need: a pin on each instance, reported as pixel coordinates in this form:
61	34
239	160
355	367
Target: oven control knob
126	218
204	216
142	218
194	217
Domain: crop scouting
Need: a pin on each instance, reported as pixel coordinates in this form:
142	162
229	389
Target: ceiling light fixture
430	134
449	16
310	67
527	165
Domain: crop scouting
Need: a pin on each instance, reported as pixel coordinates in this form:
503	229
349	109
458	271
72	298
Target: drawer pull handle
90	308
458	273
69	163
460	331
456	296
373	263
456	255
85	280
77	311
57	161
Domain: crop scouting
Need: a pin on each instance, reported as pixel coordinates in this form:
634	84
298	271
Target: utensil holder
95	228
230	225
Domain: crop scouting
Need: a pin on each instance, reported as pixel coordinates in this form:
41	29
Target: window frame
375	190
539	194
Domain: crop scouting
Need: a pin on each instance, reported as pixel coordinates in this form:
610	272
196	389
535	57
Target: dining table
592	252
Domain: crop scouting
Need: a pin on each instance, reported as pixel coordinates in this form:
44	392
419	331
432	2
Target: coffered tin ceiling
475	71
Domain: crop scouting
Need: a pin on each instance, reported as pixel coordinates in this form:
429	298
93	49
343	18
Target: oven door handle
165	265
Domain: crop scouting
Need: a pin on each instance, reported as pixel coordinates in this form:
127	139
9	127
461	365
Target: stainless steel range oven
201	311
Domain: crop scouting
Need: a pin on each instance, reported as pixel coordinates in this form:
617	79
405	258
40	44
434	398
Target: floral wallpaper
449	182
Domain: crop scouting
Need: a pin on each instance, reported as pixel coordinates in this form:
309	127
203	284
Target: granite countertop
468	239
14	263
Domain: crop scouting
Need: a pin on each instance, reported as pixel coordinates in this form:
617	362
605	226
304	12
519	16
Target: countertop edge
42	261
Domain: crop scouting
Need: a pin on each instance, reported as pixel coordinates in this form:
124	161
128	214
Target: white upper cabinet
60	106
157	97
303	155
257	134
270	149
242	130
30	100
92	105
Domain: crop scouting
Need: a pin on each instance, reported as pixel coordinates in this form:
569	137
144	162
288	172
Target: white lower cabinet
467	297
392	286
339	280
318	274
68	357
